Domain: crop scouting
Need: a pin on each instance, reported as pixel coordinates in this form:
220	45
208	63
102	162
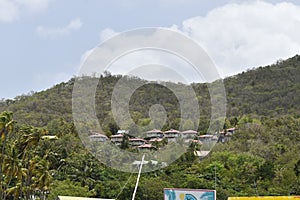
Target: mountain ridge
273	90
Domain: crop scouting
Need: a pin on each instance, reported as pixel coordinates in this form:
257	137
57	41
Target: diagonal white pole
138	178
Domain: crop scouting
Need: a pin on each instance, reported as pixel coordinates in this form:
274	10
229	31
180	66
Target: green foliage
269	91
262	157
69	188
266	91
25	162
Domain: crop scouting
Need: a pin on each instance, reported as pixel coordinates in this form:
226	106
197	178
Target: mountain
272	91
268	91
262	158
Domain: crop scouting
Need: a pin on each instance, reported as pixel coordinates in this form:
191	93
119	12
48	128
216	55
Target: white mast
138	178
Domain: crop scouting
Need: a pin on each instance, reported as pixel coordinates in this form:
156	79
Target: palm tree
6	127
23	172
13	171
29	141
31	137
42	177
38	177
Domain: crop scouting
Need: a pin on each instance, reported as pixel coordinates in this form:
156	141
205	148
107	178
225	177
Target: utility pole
138	178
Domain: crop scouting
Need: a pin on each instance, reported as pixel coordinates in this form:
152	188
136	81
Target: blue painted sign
189	194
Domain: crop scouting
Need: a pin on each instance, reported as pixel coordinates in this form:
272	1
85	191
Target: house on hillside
123	132
136	141
189	134
171	135
146	147
201	154
156	140
98	137
226	135
208	138
117	139
198	142
231	130
155	134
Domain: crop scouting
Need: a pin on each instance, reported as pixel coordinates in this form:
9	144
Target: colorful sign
189	194
265	198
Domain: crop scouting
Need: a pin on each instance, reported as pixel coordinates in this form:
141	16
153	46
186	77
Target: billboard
265	198
189	194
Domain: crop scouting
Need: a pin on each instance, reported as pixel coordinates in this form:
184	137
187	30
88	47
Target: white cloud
74	25
235	36
123	56
239	36
107	33
104	35
34	5
154	65
10	10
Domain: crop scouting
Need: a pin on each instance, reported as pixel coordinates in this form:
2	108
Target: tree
69	188
6	128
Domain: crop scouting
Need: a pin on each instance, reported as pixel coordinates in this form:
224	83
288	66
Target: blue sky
43	41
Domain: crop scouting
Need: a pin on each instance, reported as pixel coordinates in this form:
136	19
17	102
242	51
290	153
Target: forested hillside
266	91
262	157
269	91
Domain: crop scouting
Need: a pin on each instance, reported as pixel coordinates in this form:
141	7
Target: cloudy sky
44	42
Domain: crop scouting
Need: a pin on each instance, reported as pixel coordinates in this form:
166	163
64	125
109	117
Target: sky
45	42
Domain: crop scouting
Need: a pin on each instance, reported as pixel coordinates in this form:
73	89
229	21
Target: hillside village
256	154
156	138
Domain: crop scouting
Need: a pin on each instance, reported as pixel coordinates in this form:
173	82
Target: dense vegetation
265	91
262	157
